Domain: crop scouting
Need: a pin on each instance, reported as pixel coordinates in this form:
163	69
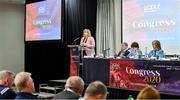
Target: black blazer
66	95
25	95
6	93
125	53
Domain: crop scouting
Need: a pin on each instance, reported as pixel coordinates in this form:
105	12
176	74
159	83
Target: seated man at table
124	50
73	88
96	91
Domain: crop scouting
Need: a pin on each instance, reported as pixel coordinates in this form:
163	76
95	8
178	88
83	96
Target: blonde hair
88	31
21	80
148	93
5	73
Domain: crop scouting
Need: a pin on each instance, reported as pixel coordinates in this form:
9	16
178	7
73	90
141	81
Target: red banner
123	74
73	65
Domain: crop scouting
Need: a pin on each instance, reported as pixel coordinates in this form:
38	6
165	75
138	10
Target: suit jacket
25	95
6	93
66	95
89	46
123	53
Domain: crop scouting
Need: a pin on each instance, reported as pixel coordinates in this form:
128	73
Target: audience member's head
124	46
76	84
148	93
24	82
6	78
135	45
156	45
96	90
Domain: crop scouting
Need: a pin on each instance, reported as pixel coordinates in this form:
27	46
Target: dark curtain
79	14
50	60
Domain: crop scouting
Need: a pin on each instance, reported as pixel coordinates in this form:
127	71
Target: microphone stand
104	52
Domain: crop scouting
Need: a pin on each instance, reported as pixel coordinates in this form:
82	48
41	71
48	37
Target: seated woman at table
135	52
157	51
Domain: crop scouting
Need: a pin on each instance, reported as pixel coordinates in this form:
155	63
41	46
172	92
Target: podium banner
137	74
74	60
74	65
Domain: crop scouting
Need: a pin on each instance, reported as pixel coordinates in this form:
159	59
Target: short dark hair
134	45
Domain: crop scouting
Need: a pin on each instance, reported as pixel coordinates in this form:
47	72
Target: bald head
75	83
96	90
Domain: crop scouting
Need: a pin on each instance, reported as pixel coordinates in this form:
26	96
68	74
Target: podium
76	59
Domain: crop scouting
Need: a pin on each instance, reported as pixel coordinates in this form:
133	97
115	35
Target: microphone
74	41
106	49
104	52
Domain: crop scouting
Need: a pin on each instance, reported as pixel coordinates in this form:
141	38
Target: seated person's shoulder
127	52
22	95
66	95
8	93
151	51
161	50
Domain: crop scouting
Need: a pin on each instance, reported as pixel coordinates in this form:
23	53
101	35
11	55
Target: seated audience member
135	52
6	82
25	86
96	91
73	88
124	50
148	93
157	51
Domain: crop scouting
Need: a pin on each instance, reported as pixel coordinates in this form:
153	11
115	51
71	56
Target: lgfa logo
152	7
115	65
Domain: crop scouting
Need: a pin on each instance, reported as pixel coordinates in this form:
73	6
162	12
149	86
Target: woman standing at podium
88	42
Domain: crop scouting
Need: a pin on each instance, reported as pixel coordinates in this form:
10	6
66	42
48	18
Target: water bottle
130	97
